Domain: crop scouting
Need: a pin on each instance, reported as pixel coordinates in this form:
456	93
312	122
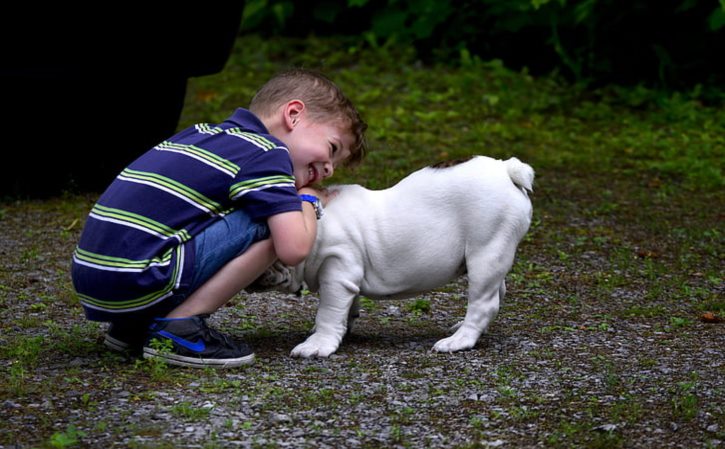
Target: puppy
434	225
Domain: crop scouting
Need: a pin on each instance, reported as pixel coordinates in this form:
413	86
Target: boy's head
297	90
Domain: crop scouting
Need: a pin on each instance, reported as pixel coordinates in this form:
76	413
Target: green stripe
252	184
201	153
251	136
136	302
174	186
119	262
141	221
205	128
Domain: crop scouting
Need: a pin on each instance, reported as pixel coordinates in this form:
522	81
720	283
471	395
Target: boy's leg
230	255
227	282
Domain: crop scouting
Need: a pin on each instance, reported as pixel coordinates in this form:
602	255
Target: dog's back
437	214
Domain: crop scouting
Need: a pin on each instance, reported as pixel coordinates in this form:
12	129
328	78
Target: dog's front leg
336	299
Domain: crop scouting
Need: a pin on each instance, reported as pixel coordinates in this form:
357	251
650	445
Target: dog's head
278	277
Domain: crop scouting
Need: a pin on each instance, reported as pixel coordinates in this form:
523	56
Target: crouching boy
197	218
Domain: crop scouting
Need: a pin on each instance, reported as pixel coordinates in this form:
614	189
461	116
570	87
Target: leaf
717	19
709	317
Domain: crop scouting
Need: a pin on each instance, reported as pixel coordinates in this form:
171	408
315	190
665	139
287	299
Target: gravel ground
600	343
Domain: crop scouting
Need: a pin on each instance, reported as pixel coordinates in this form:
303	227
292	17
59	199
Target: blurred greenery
673	44
419	114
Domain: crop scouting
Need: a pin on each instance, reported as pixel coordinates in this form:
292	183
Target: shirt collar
243	118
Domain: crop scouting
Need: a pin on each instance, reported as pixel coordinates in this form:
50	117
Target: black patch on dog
451	163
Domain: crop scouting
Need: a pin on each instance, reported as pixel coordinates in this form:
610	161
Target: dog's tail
521	174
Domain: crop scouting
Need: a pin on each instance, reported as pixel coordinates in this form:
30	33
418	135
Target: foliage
419	114
592	41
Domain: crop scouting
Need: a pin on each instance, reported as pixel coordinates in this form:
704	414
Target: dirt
602	341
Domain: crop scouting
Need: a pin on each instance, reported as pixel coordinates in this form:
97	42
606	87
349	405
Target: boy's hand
324	195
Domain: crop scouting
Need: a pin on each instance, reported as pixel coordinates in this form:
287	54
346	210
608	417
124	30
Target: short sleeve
265	185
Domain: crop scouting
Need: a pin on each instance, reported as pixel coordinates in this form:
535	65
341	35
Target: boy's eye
334	148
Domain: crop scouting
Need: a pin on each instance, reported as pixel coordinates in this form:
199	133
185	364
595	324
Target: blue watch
316	203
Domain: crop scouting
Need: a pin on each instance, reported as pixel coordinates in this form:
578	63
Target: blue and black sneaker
194	344
126	337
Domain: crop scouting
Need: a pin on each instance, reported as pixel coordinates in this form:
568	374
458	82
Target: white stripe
181	266
172	192
221	169
135	226
92	306
256	143
205	128
267	186
117	269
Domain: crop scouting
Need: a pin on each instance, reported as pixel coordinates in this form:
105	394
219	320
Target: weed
17	377
640	311
156	367
678	322
685	403
367	304
69	438
419	307
187	410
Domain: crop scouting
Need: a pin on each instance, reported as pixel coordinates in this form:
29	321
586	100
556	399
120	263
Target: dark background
86	90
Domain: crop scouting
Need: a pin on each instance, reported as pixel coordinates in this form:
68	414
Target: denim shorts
214	247
222	242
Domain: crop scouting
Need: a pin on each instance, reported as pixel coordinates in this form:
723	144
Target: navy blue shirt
136	248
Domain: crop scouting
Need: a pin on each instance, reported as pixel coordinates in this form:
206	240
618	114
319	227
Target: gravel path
590	349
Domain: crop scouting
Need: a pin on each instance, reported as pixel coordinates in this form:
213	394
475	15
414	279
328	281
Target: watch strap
316	203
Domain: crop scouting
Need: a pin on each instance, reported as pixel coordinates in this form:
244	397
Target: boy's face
316	149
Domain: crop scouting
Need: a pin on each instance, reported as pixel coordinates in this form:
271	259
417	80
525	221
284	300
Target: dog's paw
315	346
454	343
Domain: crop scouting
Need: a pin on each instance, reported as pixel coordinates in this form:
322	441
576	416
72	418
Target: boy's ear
293	112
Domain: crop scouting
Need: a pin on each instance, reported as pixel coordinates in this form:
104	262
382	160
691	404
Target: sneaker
125	337
196	345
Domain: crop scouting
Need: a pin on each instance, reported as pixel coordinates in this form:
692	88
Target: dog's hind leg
501	294
487	270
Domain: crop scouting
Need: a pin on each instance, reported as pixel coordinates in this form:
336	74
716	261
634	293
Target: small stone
279	418
606	428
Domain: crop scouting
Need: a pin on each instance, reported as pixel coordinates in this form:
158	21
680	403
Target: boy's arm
293	233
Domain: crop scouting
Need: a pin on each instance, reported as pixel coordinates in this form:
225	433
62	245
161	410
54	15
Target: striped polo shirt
136	248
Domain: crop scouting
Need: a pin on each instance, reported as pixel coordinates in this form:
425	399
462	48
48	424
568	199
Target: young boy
200	216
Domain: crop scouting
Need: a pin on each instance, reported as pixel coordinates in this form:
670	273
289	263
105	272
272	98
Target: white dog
434	225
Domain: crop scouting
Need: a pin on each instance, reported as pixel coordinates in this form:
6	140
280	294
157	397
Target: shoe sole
115	344
197	362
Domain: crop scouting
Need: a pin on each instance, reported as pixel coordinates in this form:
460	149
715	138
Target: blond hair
324	101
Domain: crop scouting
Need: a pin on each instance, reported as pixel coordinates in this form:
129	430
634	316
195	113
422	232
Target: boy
200	216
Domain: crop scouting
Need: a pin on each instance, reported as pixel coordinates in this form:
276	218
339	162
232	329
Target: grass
624	254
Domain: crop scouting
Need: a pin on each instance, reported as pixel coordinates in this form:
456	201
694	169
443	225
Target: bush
670	44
